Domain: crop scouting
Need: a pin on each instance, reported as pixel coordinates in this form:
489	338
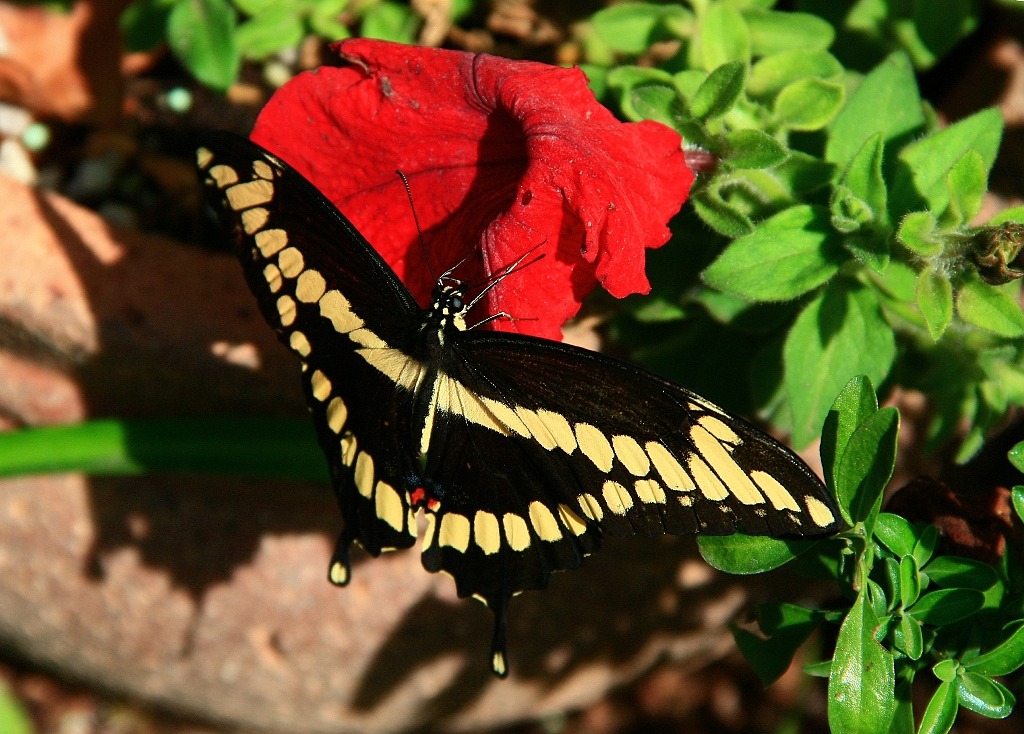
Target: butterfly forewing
522	452
334	302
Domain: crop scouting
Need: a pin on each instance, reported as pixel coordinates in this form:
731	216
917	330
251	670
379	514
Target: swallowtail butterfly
521	453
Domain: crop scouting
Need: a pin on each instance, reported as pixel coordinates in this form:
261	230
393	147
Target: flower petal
502	157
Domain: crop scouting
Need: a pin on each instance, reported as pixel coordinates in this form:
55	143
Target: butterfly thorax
447	314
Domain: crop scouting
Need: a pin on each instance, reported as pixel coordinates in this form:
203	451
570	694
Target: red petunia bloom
502	157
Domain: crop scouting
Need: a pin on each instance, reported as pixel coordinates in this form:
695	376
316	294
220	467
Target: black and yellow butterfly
521	452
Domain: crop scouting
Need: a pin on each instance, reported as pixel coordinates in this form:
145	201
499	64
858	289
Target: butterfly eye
457	303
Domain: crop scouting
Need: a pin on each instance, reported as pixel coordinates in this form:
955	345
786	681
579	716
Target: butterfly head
449	307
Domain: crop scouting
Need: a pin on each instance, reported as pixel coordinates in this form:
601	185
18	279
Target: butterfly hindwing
341	310
579	445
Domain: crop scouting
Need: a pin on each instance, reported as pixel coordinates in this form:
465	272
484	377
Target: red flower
502	156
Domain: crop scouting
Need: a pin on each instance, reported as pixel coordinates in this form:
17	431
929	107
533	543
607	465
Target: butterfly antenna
518	264
416	221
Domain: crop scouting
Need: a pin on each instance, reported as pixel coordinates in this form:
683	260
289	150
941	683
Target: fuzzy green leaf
918	232
719	91
862	682
629	28
837	336
389	21
935	301
754	149
654	101
989	308
926	163
863	177
808	104
265	34
886	103
789	254
966	184
773	31
721	216
774	72
202	35
723	36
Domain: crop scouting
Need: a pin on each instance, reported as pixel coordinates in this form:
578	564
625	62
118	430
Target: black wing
541	448
334	302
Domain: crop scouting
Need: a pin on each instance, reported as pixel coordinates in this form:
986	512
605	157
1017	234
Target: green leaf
867	464
721	216
13	719
201	33
946	670
808	104
984	696
989	308
246	446
772	32
862	683
754	149
895	533
264	34
951	572
839	335
910	581
774	72
723	36
390	21
908	637
935	301
918	233
946	606
926	544
325	19
926	163
628	27
1003	659
654	101
863	177
789	254
1018	500
966	184
719	91
886	103
144	24
853	406
749	554
941	711
1016	456
940	24
788	627
1013	214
